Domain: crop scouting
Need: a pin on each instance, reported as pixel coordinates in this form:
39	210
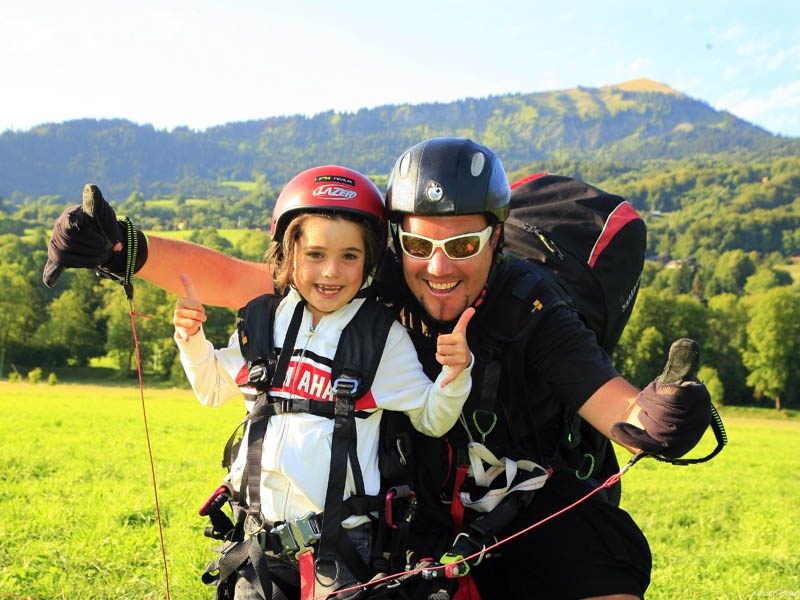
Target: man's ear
497	234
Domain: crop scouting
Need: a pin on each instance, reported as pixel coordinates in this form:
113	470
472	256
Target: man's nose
438	263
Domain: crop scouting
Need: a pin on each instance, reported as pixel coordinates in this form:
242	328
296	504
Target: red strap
307	578
467	590
456	507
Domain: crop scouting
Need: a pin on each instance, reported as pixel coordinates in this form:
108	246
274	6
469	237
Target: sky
201	63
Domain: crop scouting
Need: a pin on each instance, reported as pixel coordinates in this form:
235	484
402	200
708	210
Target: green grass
232	235
243	186
78	518
727	528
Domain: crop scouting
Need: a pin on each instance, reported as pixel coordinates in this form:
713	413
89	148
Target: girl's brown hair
281	254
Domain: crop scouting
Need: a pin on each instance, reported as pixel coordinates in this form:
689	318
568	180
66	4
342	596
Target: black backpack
593	242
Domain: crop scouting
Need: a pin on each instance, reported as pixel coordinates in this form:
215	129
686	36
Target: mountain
626	123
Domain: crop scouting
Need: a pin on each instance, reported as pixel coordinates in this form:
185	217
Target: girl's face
328	264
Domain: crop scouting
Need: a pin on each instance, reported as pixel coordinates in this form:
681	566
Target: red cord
607	484
134	314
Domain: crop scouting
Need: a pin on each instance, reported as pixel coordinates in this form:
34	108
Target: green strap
130	260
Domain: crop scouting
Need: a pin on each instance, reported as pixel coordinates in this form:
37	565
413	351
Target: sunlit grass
232	235
243	186
79	519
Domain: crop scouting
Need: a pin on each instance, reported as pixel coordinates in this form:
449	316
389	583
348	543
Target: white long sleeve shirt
296	447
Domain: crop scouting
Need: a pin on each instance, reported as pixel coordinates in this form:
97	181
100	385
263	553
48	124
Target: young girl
328	231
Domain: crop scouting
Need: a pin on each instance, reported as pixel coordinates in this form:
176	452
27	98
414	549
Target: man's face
445	287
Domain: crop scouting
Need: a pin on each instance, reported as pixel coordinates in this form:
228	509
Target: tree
764	278
153	328
727	340
73	322
658	319
18	316
773	346
710	377
731	272
253	245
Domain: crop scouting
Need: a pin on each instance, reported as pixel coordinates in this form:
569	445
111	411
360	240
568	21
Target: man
447	199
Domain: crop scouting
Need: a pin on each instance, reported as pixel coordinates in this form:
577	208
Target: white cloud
730	72
731	33
776	110
777	60
753	50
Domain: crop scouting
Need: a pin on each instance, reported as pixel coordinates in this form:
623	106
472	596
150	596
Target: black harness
353	370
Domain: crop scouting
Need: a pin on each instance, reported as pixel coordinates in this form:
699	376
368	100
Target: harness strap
343	450
288	344
279	406
489	487
257	572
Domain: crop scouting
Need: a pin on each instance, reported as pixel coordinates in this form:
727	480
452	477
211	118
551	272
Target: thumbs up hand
452	350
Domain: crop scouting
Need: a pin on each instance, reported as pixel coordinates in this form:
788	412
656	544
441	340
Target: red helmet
329	189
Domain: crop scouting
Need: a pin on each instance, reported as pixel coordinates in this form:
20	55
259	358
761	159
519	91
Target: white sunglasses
458	247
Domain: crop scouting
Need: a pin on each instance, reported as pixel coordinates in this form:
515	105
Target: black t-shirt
556	369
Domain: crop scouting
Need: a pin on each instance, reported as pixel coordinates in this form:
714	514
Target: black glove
676	407
91	237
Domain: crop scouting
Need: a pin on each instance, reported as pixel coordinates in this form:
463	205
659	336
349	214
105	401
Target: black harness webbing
258	573
258	425
354	366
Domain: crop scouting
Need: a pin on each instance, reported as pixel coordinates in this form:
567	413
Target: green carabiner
478	428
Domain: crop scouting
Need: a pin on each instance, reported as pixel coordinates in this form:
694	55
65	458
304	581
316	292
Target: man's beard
434	321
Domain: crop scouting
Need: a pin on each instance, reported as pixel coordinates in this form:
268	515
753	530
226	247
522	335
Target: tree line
722	238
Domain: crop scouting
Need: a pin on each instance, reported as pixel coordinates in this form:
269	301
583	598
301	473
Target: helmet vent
477	164
405	165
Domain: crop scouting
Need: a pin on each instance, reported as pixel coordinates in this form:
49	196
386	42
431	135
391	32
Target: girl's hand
452	349
190	314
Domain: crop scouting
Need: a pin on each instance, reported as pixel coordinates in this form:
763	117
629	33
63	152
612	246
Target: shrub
35	375
14	377
52	379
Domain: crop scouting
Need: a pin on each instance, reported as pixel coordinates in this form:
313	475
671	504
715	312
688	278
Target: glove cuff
132	254
141	254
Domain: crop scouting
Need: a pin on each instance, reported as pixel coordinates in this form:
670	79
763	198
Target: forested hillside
626	123
720	197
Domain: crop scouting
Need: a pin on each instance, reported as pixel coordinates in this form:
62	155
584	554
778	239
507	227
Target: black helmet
448	176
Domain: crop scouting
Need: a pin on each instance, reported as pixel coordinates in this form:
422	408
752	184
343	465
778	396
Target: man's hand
452	349
90	236
675	408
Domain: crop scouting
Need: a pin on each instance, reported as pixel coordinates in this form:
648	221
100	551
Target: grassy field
232	235
78	518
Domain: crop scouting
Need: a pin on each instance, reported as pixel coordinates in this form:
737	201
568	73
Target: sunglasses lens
463	246
416	246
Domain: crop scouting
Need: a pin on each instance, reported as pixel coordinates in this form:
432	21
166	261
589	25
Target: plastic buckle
259	373
346	386
344	390
298	535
